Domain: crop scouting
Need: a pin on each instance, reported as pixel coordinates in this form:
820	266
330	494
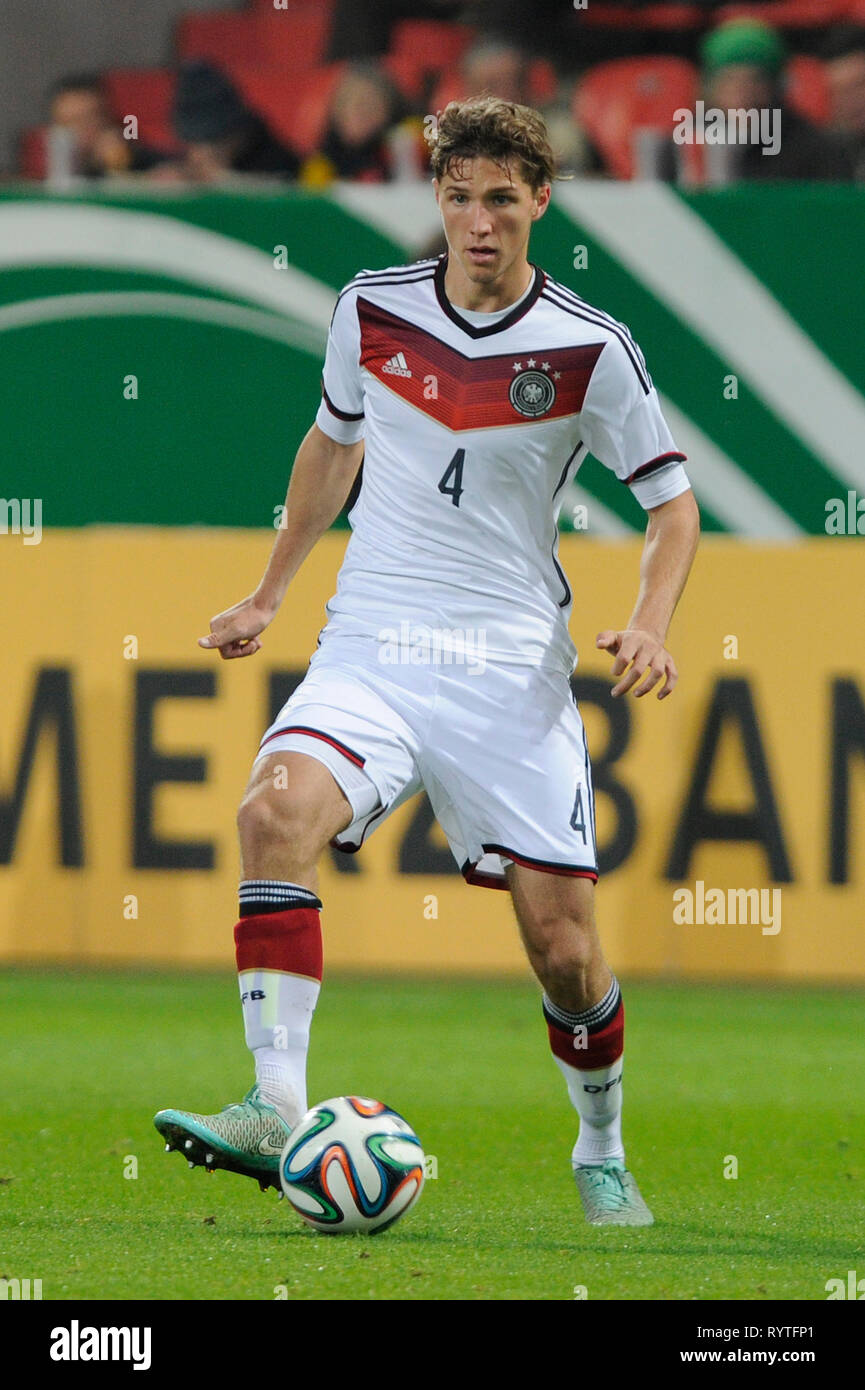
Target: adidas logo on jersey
396	365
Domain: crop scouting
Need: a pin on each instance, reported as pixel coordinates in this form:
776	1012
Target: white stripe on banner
687	267
726	489
122	304
601	520
406	214
63	234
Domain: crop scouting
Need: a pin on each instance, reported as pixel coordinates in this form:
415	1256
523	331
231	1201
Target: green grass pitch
773	1077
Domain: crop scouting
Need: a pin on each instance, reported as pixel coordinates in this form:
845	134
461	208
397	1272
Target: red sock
580	1047
288	941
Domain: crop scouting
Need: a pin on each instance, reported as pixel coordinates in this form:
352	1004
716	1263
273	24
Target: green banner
160	355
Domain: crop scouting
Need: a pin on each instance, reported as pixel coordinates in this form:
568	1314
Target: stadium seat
660	17
221	38
296	38
404	72
32	154
808	88
427	48
147	93
615	100
294	106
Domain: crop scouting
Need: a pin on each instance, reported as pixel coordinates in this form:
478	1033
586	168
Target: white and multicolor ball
352	1164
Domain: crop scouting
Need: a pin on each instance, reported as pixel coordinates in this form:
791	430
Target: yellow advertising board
731	818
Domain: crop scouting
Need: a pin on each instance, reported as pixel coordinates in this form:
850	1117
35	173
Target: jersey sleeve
622	425
340	414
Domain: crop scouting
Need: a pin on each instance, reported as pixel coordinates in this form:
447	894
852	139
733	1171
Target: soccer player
472	386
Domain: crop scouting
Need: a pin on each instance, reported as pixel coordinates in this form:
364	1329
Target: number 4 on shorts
578	819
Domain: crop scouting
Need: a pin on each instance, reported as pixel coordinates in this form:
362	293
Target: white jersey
472	426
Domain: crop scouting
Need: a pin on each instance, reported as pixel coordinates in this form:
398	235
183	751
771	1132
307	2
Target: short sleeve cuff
341	427
661	486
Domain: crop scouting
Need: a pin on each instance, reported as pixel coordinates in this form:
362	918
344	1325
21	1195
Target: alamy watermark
713	907
77	1343
417	644
19	1290
21	516
852	1288
845	516
737	126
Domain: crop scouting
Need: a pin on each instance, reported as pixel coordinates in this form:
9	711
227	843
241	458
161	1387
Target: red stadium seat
296	37
617	99
404	73
221	38
808	88
32	154
425	49
431	41
294	106
659	17
147	93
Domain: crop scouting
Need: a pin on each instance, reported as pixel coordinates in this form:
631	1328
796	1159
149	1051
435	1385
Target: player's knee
270	816
566	952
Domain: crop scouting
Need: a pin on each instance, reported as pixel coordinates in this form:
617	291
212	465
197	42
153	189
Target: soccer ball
352	1164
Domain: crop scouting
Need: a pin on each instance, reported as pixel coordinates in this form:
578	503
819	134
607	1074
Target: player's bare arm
321	481
671	542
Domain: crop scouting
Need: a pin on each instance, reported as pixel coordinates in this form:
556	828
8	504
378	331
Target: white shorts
501	754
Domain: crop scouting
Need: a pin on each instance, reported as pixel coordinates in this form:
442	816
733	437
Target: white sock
597	1098
277	1033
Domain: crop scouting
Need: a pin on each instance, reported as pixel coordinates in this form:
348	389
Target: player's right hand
235	632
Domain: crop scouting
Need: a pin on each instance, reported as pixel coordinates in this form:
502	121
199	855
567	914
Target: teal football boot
246	1138
610	1195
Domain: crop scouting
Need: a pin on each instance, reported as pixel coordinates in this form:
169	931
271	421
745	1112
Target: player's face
488	211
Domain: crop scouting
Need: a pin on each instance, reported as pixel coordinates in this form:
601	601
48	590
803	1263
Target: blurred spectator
357	142
94	141
743	66
493	65
844	55
221	136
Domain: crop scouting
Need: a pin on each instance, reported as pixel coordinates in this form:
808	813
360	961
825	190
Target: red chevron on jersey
470	393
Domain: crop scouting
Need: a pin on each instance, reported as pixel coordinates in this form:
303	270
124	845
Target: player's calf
585	1017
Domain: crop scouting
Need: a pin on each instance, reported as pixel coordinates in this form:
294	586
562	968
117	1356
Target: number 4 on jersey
454	470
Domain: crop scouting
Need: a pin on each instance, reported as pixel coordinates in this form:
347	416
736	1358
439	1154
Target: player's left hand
645	654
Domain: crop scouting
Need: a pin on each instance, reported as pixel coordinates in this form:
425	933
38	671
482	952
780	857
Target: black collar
513	317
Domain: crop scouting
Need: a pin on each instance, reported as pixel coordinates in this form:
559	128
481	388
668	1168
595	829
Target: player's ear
542	201
436	188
